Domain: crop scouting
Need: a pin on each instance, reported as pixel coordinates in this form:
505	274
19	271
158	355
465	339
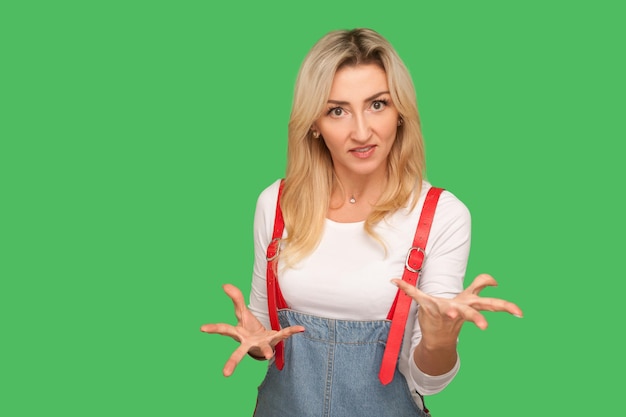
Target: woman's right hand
253	337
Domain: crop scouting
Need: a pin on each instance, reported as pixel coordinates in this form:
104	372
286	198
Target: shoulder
451	230
266	207
449	207
267	197
452	206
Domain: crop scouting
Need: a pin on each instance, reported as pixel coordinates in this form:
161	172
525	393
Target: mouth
363	152
363	149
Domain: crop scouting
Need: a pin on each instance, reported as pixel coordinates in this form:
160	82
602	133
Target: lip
363	152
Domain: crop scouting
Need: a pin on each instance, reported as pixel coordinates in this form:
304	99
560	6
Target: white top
348	275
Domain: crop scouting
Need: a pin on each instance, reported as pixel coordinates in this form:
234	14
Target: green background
136	136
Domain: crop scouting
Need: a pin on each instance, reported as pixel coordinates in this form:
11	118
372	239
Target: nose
361	131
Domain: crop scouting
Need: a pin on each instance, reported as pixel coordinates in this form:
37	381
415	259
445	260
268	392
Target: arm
263	227
433	367
252	330
443	304
442	276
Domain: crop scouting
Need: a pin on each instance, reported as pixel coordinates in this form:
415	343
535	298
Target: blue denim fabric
331	370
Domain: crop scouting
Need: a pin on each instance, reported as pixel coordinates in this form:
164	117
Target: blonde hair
310	176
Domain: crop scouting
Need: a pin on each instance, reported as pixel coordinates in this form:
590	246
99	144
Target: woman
353	213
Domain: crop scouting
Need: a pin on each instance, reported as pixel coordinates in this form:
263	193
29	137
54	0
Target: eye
378	105
335	112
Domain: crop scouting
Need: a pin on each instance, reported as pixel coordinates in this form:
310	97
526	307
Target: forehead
352	83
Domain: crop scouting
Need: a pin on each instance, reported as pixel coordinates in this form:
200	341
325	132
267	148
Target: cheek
388	131
331	142
334	136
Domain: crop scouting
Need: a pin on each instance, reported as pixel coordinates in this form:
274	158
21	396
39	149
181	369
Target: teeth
363	149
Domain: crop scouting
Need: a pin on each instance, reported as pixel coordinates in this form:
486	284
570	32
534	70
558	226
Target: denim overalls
332	368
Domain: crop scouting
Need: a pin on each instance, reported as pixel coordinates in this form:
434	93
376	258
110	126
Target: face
360	121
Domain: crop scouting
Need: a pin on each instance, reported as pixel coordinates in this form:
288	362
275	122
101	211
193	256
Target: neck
357	193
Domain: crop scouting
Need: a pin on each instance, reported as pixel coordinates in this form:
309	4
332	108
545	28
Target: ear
315	131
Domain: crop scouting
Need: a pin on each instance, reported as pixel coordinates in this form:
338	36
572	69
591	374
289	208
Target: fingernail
518	316
394	283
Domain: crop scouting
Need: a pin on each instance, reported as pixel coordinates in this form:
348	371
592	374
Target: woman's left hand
441	319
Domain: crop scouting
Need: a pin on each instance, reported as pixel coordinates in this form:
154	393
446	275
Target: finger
234	360
285	334
480	283
452	313
220	328
424	300
410	290
497	304
267	351
472	315
237	297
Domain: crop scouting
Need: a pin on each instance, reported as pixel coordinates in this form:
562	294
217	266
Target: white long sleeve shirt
347	277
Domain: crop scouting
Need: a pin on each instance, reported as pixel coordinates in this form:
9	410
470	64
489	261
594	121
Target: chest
348	275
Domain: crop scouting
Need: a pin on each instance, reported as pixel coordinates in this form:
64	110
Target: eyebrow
370	98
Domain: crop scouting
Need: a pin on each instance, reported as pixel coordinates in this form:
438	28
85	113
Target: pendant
352	200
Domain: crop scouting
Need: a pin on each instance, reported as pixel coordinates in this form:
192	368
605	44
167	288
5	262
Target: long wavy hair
310	176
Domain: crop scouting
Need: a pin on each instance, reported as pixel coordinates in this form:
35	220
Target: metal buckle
408	256
275	246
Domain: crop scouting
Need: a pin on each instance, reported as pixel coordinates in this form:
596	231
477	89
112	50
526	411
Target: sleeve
263	226
442	275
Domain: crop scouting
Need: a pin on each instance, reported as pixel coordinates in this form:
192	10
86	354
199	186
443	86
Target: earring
316	134
400	121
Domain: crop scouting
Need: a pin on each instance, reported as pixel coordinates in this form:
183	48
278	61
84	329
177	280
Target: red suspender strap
413	266
274	298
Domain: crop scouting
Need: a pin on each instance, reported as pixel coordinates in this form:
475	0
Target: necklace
352	199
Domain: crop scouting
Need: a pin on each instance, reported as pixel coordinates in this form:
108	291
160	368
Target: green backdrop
135	137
